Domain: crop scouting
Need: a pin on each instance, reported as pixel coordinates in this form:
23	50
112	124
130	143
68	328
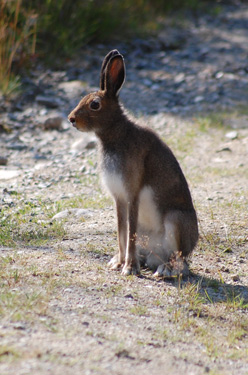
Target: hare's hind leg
175	264
118	260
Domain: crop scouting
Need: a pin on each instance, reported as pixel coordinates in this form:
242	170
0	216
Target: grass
206	321
139	310
17	42
8	353
98	201
29	223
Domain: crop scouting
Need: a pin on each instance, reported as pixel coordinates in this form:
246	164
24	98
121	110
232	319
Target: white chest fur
149	217
115	185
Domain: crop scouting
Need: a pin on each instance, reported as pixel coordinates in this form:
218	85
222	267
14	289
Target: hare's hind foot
179	268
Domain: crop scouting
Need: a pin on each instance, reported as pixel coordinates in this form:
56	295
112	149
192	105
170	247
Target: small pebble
3	160
236	278
232	135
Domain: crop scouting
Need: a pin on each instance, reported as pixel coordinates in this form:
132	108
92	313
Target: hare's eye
95	105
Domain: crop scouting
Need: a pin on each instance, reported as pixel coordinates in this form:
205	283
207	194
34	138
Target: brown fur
140	171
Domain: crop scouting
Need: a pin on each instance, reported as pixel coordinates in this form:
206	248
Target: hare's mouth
74	123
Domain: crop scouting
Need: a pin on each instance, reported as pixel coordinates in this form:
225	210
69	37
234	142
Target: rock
3	160
48	101
53	123
4	128
8	174
232	135
17	146
172	38
88	141
7	200
19	326
198	99
219	75
129	296
76	212
72	88
237	123
90	145
179	78
236	278
147	82
224	149
39	157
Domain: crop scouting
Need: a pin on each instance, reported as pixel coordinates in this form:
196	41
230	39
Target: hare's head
96	109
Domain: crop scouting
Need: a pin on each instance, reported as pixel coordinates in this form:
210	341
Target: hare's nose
72	119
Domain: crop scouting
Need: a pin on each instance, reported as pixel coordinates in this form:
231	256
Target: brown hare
157	223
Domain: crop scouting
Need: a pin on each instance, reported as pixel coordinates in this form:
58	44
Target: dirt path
62	311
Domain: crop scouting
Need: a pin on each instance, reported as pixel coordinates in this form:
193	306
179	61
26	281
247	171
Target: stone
48	101
232	135
6	174
3	160
198	99
236	278
88	141
17	146
237	123
72	88
76	212
53	123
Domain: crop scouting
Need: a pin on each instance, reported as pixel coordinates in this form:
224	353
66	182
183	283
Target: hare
157	222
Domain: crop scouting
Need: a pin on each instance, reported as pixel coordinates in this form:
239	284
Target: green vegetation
29	222
83	201
17	42
22	223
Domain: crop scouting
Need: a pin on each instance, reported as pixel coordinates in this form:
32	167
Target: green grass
219	119
29	223
139	310
8	353
97	201
17	42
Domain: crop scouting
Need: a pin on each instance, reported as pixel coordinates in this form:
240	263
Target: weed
235	301
213	120
17	42
22	223
184	143
8	353
139	310
22	306
83	201
190	299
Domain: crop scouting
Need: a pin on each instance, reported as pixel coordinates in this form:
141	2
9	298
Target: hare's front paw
131	269
115	263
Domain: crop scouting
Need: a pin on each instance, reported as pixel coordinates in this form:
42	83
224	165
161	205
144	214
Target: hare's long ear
104	64
115	75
